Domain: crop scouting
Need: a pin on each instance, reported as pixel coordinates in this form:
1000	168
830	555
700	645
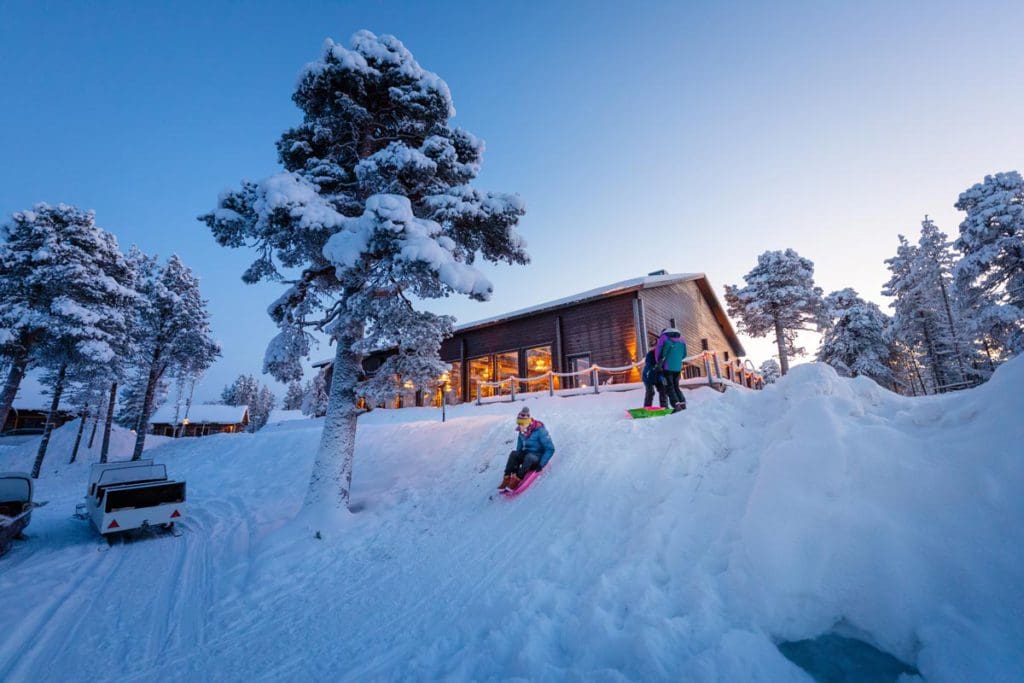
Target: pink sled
525	484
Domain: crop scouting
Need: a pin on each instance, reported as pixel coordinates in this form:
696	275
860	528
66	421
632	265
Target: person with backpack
653	380
533	450
669	354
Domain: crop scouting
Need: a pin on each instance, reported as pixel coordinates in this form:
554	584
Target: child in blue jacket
533	450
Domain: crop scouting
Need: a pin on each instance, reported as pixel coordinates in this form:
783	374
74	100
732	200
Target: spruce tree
779	299
374	212
293	397
990	276
63	288
855	342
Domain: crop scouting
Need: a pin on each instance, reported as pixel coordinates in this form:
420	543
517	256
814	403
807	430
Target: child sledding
533	451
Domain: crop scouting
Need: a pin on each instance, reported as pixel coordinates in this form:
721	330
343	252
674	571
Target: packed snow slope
674	548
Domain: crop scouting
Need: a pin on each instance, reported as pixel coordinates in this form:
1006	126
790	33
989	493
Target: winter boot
678	407
504	482
514	481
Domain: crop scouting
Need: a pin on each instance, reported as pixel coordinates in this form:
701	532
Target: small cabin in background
199	420
26	418
611	326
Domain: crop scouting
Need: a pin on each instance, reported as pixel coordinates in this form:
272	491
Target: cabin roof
203	413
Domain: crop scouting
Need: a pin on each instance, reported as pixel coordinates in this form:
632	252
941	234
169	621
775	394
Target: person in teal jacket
669	354
534	449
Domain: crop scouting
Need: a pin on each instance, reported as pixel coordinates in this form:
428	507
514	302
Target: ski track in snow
642	554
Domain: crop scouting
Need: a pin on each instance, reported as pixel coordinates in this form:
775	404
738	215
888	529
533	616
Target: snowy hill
676	548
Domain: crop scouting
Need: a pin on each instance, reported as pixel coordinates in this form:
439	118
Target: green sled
638	413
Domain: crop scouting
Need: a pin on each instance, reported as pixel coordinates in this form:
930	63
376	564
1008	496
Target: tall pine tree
375	211
172	334
990	276
779	299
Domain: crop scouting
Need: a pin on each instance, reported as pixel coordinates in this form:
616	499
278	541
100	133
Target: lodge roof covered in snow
201	414
615	289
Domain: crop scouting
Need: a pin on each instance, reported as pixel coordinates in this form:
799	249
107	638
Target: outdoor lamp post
443	388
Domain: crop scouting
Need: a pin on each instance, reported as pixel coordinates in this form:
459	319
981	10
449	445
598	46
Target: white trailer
133	495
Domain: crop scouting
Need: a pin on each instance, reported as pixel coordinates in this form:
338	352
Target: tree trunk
933	355
78	437
780	340
147	406
95	424
109	422
953	333
58	389
331	480
14	376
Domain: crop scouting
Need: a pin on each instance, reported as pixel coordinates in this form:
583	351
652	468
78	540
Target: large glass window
507	365
480	370
538	362
450	384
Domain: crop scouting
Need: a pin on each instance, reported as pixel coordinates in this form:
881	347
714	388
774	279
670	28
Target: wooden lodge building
610	326
30	419
199	420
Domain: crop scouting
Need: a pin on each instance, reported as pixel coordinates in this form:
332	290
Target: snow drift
677	548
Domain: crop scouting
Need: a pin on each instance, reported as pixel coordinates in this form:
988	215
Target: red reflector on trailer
175	514
114	524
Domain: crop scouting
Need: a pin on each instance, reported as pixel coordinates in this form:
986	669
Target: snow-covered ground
675	548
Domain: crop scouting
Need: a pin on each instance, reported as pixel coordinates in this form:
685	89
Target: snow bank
677	548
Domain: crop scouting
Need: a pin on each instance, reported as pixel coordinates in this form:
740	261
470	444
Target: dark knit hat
525	412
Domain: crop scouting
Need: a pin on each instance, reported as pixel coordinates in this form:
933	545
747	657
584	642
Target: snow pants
649	394
521	462
675	394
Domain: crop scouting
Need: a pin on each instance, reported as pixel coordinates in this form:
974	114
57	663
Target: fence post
707	369
479	387
551	383
593	378
718	369
512	387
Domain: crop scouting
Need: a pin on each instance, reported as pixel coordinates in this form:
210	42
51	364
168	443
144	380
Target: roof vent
658	272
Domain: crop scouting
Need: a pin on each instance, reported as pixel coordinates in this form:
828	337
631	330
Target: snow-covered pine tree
375	210
780	298
926	315
855	342
293	397
314	396
770	371
990	276
246	390
171	334
63	283
66	293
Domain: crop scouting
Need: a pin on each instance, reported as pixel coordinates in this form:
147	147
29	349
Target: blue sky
684	136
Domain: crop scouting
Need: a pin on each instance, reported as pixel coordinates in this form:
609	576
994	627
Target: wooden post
551	383
479	387
593	378
718	369
707	370
512	387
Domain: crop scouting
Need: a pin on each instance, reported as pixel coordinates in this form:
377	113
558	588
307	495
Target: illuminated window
538	362
480	370
507	365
